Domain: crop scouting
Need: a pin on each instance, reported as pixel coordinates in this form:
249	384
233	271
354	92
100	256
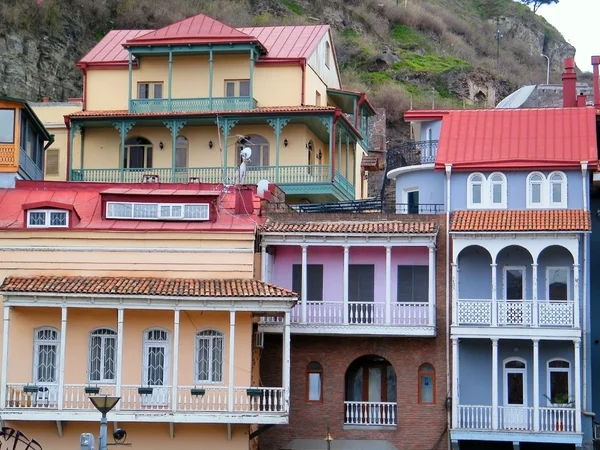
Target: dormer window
47	218
157	211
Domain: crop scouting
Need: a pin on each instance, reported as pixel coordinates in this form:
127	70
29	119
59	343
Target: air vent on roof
150	178
52	161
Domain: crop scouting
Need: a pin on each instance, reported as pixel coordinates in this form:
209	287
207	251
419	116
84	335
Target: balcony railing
188	398
29	166
344	185
370	413
517	418
415	153
522	313
163	105
417	208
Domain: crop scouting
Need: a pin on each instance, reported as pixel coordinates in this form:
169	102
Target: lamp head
104	403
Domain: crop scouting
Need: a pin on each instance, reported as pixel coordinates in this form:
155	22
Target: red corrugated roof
552	138
110	49
288	41
85	199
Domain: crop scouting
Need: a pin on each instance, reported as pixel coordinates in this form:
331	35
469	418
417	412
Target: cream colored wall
318	145
278	85
229	67
313	84
140	436
53	114
190	77
107	89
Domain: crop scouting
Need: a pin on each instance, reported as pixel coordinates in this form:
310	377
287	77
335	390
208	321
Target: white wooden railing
187	398
370	413
516	418
525	313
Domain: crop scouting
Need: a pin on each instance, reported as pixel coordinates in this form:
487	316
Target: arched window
475	190
156	359
209	357
515	382
260	150
103	355
138	153
45	364
181	152
535	190
559	383
426	384
314	382
557	184
498	192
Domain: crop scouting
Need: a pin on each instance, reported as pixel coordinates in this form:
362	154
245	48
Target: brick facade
420	427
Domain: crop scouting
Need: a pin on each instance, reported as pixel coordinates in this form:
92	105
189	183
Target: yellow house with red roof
145	293
181	102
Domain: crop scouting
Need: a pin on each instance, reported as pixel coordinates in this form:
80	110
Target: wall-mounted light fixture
285	142
319	155
161	145
210	144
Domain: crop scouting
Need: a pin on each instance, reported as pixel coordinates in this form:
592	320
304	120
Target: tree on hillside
537	3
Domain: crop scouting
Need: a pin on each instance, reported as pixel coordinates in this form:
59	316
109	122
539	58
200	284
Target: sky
577	21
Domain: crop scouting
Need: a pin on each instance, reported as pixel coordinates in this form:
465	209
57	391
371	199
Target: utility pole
547	69
498	36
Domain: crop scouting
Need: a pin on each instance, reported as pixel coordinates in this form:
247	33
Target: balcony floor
369	329
516	436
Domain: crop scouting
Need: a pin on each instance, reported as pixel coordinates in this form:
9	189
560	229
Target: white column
454	294
536	385
495	384
577	378
494	305
119	380
304	283
263	263
346	278
3	375
230	374
388	285
175	380
285	375
455	377
61	358
576	305
534	294
432	286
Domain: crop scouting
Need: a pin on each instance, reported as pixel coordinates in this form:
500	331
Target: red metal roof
288	41
85	199
552	138
110	49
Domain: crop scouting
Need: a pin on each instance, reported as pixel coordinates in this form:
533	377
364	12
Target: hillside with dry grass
410	53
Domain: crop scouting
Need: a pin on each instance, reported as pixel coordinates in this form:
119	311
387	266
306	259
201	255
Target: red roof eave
425	115
194	40
516	165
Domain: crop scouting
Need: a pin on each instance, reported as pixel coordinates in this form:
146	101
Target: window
535	184
45	218
558	190
7	126
361	283
318	98
559	385
260	150
138	153
52	161
498	192
157	211
327	54
148	90
413	284
514	283
209	357
426	384
46	355
103	354
181	152
314	382
557	283
314	281
475	190
237	88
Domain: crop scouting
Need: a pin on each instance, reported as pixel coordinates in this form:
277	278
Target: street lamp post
328	439
104	404
547	69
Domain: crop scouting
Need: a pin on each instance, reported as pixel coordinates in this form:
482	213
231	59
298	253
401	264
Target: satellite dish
261	187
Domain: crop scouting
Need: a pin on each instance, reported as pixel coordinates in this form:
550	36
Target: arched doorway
370	392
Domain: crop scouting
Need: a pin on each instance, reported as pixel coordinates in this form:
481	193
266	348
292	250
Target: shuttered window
413	284
52	156
361	283
314	282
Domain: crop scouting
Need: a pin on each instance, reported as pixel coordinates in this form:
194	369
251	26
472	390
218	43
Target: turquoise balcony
163	105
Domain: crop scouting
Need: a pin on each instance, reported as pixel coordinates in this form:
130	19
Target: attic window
327	54
157	211
47	218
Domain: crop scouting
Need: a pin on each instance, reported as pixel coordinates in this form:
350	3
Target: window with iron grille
209	357
103	354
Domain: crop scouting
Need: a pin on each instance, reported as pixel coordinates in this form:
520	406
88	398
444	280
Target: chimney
244	200
569	80
595	64
581	100
46	99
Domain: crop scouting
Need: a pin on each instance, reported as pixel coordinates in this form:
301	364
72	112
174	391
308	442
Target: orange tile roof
352	227
522	220
129	286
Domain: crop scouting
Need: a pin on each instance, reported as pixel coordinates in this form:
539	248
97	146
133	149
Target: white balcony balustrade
370	413
522	313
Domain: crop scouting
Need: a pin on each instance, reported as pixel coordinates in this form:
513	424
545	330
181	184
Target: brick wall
420	427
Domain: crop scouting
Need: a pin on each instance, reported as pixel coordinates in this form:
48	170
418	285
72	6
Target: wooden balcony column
277	124
174	126
3	375
123	127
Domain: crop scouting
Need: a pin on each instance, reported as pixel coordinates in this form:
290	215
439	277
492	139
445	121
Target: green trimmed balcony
306	181
163	105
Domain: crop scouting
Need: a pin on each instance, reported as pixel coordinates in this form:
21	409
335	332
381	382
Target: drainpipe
84	71
336	116
448	315
595	64
68	125
584	295
303	94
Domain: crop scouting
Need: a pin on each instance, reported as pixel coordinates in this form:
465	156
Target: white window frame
486	191
505	372
557	369
104	337
563	190
211	338
569	292
503	190
470	185
158	212
505	269
542	203
48	213
151	89
36	343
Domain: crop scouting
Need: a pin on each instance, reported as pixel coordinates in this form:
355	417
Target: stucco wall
430	184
